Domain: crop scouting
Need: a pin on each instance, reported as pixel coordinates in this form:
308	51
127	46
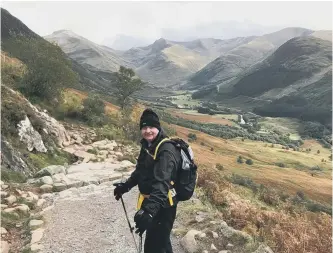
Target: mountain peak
160	44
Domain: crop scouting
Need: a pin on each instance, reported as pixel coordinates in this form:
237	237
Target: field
284	125
294	176
289	179
204	118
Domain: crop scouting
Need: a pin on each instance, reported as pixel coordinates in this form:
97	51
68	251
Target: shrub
92	151
240	159
318	151
281	165
219	166
211	149
192	136
202	143
249	161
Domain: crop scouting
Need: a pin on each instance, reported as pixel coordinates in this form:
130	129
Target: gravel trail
89	219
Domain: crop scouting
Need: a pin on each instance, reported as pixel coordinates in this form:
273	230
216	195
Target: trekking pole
131	228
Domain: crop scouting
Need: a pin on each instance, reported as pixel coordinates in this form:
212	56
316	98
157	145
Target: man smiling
154	174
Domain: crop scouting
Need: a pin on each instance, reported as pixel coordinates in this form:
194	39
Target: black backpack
187	173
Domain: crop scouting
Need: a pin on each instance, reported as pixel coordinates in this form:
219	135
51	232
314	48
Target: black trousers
158	235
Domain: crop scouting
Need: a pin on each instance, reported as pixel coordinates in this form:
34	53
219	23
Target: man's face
149	133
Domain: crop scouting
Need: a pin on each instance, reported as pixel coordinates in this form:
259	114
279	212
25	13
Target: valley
256	110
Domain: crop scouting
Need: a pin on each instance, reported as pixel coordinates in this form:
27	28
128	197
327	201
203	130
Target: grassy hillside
233	62
299	58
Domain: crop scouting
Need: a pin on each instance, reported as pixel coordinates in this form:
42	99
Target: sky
97	20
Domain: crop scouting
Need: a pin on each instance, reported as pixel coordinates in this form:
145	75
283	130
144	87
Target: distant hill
87	53
298	62
234	61
295	81
13	32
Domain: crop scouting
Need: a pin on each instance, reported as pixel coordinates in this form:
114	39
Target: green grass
12	176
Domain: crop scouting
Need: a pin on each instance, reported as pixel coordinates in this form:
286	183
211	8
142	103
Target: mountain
298	62
166	63
294	81
220	30
124	42
87	53
234	61
14	33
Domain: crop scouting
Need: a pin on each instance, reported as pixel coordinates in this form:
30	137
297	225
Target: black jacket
154	177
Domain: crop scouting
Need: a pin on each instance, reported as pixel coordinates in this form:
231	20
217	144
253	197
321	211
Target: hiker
157	202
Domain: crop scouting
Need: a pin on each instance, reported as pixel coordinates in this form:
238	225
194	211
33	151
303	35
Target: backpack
187	175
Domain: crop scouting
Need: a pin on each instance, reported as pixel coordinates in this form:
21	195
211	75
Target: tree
126	85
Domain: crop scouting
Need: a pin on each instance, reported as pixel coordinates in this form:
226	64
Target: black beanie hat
149	118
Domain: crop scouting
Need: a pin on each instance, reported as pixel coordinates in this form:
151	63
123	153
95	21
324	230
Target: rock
53	127
213	222
11	199
22	208
212	247
75	184
4	247
3	194
58	187
18	191
33	196
36	247
34	224
229	246
226	230
3	206
3	231
46	188
12	158
47	196
199	219
51	170
263	249
30	136
1	182
33	180
202	235
205	251
224	251
9	210
41	202
61	178
46	180
189	243
36	235
4	186
214	234
46	210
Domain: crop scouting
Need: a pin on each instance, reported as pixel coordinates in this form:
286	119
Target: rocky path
89	219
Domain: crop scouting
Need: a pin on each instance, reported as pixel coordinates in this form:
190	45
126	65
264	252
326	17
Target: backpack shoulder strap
159	144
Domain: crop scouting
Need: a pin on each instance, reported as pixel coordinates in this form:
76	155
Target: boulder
11	199
37	235
46	180
51	170
4	247
30	136
189	243
34	224
57	187
46	188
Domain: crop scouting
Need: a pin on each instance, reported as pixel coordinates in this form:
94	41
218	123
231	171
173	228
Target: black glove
142	220
120	189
